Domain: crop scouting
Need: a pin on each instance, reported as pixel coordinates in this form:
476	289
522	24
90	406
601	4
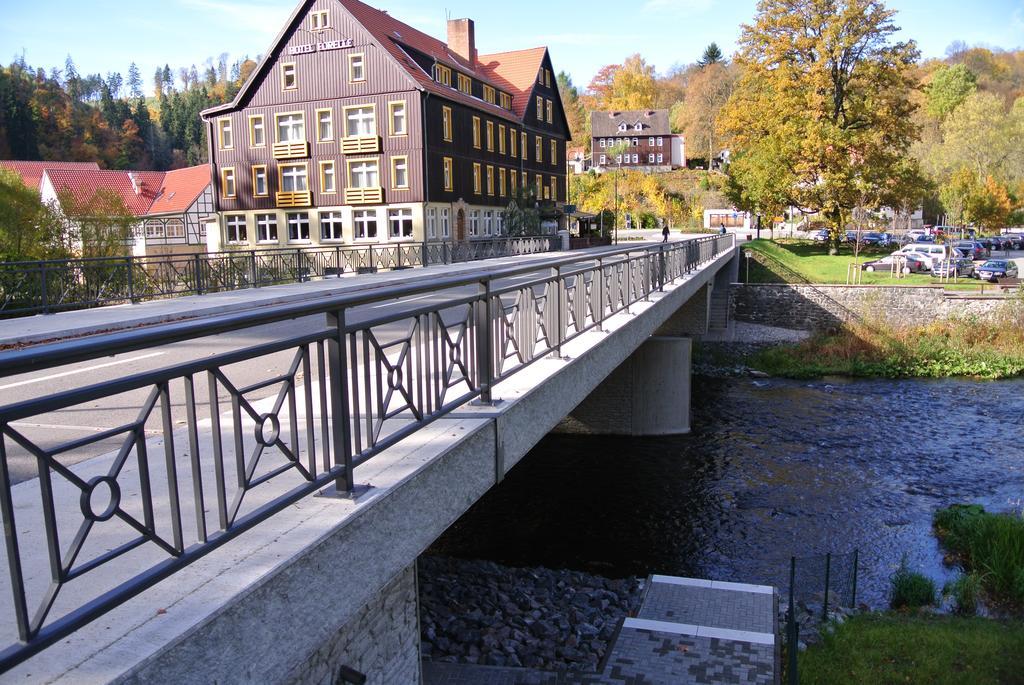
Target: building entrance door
460	226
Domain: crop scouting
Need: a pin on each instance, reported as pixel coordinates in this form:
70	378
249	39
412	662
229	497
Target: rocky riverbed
480	612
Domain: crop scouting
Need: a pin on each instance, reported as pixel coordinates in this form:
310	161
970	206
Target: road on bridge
50	430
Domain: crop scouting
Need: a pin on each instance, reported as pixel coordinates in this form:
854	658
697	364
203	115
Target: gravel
480	612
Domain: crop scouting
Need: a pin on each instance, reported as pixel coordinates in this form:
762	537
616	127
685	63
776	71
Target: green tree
521	216
822	115
949	87
712	55
981	135
28	229
579	123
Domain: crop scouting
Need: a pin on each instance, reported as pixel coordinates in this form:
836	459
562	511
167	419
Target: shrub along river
773	468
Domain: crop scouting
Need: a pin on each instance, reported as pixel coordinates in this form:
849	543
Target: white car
930	252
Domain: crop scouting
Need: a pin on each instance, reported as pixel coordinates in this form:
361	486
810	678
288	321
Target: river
773	468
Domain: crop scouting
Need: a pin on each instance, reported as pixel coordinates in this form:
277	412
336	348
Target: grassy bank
990	547
937	650
940	350
812	263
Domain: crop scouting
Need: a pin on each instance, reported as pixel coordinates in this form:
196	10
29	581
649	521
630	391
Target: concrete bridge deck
327	581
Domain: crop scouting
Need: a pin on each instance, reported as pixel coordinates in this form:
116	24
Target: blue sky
107	35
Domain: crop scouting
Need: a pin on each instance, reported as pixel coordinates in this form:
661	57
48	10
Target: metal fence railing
207	457
64	284
830	579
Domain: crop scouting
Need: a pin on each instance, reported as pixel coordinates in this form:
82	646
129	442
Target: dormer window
465	84
443	74
622	127
639	126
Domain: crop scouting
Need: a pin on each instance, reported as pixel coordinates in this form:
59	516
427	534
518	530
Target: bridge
256	509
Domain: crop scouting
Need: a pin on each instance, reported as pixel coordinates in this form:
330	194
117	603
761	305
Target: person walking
664	234
722	228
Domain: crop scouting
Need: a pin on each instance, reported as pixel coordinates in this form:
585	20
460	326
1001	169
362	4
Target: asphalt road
50	430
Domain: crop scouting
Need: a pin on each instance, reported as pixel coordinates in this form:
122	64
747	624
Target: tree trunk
836	231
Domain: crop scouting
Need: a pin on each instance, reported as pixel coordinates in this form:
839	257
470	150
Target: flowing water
773	468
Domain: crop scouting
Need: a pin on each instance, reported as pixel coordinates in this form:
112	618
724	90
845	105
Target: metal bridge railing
65	284
208	457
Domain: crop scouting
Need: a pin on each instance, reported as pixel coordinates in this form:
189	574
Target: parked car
930	251
995	269
911	263
1014	241
871	238
915	234
974	249
957	267
927	239
820	236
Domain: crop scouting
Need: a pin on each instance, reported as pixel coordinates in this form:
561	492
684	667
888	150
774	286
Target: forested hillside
121	122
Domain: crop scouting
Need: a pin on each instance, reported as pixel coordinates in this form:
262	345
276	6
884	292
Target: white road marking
57	426
393	304
77	371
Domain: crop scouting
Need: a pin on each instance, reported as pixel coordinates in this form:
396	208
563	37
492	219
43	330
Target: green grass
988	545
930	650
813	262
952	348
910	589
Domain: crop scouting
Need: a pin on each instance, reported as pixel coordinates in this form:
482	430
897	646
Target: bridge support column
647	395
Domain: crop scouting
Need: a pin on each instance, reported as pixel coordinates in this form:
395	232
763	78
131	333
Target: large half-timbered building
640	140
357	128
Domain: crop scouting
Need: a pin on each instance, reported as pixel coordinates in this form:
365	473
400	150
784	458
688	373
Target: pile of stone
480	612
809	617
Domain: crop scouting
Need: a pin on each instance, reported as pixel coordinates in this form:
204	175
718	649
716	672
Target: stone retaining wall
382	641
817	307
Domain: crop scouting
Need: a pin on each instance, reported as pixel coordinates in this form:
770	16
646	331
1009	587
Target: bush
910	589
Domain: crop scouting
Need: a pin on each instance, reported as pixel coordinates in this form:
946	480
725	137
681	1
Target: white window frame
361	224
397	111
334	221
266	222
319	20
289	69
231	229
356	118
292	174
402	218
361	170
294	122
446	222
474	223
297	221
357	61
321	123
432	223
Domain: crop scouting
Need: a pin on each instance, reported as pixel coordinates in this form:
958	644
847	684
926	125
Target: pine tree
134	82
712	55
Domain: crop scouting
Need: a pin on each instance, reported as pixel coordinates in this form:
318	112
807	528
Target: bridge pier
647	395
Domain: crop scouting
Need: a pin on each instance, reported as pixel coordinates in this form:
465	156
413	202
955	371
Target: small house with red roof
168	208
356	128
639	140
31	172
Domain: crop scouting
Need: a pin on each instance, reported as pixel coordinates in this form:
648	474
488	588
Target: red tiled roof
32	172
392	34
180	189
84	184
516	71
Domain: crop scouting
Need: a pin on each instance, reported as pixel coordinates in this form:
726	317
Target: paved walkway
687	631
78	323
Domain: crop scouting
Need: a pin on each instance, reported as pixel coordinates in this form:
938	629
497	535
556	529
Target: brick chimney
462	39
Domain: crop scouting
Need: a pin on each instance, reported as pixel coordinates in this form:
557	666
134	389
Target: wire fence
818	585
